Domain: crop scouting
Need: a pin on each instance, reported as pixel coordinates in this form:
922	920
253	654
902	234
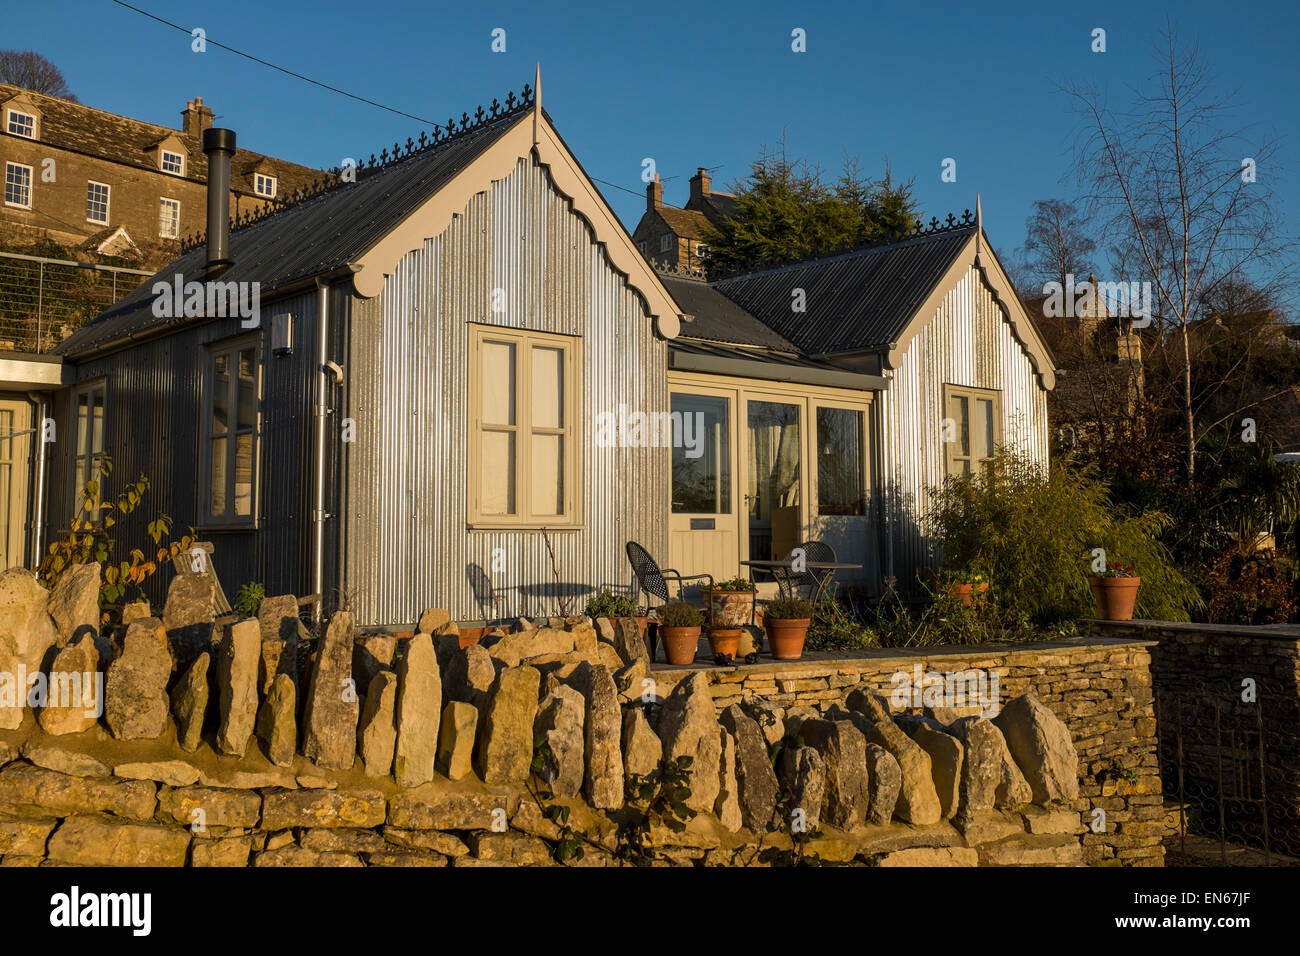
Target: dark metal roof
771	364
315	237
716	318
858	300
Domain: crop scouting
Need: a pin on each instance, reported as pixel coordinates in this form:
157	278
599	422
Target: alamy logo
74	908
71	690
952	689
651	430
191	300
1130	300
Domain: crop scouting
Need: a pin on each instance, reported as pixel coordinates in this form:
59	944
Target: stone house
674	238
76	173
465	387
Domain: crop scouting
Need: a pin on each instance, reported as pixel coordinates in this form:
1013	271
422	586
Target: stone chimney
654	195
699	185
196	117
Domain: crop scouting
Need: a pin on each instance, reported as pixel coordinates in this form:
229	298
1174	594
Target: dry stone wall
227	745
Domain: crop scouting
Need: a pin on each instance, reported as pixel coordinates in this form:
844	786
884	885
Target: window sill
15	205
521	526
225	528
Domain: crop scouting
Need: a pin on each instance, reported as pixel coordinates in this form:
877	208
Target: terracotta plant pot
966	592
680	644
1115	597
785	637
725	640
729	608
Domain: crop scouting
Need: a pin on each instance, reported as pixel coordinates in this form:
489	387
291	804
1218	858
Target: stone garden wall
1229	704
246	742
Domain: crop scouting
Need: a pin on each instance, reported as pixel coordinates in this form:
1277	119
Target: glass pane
959	412
497	473
498	383
548	388
220	394
701	454
247	388
548	475
218	478
773	479
983	428
97	420
243	475
83	424
839	462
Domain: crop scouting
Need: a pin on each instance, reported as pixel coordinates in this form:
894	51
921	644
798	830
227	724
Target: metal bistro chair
651	578
817	580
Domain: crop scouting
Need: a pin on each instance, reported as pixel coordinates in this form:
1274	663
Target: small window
264	185
18	185
972	427
231	430
169	218
523	455
666	242
88	432
642	246
701	250
96	202
173	163
21	124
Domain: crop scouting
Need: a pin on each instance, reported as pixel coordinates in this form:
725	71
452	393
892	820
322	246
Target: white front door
839	439
15	458
703	523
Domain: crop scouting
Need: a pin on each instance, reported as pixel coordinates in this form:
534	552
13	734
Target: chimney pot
219	146
654	195
700	185
196	118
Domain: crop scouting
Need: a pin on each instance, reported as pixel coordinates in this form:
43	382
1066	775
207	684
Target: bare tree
1185	202
31	71
1056	243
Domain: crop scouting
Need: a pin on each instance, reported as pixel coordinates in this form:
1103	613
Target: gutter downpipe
318	515
38	519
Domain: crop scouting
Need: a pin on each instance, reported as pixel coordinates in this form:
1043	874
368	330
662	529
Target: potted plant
679	627
730	603
724	642
786	622
965	590
1115	591
613	606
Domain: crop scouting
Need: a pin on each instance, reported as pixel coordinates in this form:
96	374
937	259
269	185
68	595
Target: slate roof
859	300
687	223
716	318
716	206
314	237
92	132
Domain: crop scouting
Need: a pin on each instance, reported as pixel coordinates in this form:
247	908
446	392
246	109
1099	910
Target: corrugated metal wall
153	426
967	343
406	545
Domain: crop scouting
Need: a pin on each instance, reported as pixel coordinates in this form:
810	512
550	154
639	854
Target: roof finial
979	224
537	101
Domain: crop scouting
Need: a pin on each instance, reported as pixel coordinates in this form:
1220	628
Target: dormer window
19	123
264	185
173	163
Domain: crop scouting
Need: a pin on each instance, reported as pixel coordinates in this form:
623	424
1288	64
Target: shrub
836	629
249	598
609	604
1033	531
1251	589
787	609
680	615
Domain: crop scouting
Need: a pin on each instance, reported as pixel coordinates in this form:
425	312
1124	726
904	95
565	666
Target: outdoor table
823	580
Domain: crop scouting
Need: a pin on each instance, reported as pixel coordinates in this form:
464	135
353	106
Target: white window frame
31	185
85	459
259	179
570	429
230	521
700	250
952	453
164	201
666	242
10	113
108	200
162	162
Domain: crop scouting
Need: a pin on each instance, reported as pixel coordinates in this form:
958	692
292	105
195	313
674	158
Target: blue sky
688	84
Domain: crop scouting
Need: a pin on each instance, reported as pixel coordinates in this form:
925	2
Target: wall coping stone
1277	632
822	661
